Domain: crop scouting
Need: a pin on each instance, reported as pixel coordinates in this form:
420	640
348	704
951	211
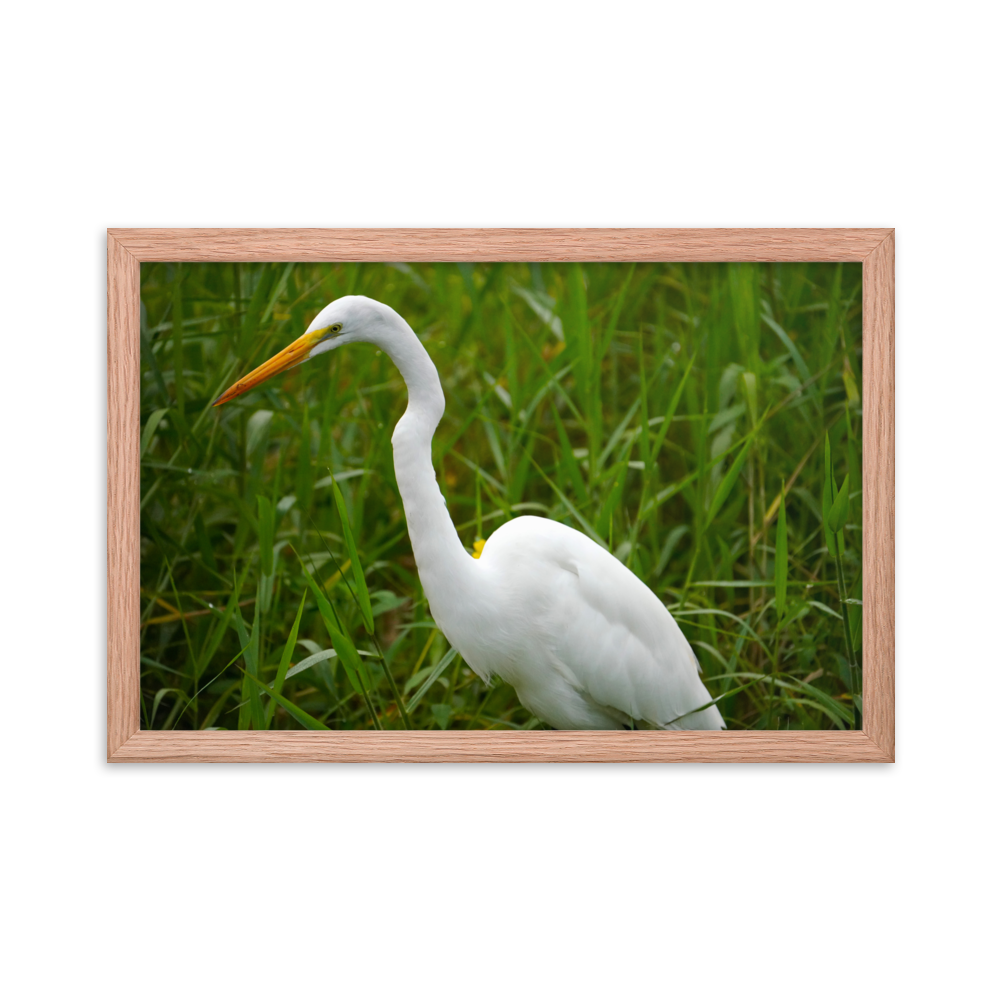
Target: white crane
583	641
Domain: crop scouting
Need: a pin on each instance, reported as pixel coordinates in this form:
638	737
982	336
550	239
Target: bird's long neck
444	566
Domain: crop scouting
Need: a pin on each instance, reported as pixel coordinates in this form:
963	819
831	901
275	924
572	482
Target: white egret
584	642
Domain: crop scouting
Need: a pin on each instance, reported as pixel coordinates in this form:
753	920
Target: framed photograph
501	495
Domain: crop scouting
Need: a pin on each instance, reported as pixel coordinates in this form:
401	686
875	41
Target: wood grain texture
500	244
441	747
875	247
123	495
879	495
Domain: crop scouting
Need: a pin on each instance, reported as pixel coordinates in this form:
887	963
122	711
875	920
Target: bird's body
583	641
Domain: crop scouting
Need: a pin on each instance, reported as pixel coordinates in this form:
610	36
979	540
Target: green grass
658	408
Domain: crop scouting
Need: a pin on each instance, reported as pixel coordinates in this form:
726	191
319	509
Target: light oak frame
127	248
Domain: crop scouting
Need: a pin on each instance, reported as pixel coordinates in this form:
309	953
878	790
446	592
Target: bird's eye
336	328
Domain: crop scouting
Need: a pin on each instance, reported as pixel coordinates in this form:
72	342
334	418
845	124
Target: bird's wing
602	624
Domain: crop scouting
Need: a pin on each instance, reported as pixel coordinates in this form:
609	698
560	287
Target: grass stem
848	638
396	696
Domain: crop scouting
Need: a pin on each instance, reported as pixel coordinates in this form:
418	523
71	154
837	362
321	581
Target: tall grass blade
253	314
346	650
286	659
855	613
568	463
304	472
361	595
781	559
252	710
265	534
614	499
837	516
212	643
801	367
265	514
728	482
304	717
671	410
178	324
615	313
431	678
568	504
150	429
828	497
750	390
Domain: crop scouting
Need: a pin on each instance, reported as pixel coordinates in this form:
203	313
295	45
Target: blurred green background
658	407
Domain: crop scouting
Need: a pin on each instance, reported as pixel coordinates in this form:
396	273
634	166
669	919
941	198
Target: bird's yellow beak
294	354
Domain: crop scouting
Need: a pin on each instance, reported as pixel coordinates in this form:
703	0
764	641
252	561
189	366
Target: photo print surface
640	508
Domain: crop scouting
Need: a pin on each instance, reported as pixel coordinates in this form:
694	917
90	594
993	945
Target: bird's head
346	320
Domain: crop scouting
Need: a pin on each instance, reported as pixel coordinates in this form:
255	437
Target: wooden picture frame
127	248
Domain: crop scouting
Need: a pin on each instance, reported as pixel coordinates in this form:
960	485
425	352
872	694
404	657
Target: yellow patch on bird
477	548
